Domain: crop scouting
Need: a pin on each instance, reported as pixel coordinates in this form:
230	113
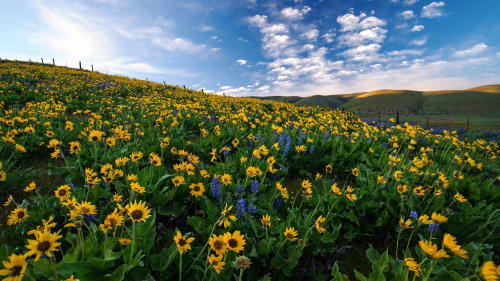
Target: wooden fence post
92	66
467	125
397	117
80	64
53	61
427	121
379	116
42	60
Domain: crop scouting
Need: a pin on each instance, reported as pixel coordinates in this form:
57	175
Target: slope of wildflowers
109	178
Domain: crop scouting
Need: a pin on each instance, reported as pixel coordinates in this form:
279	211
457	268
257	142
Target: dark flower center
20	215
16	270
112	221
137	214
196	188
182	242
218	244
62	192
233	243
43	246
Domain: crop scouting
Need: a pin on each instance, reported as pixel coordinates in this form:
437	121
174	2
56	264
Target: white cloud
410	52
258	20
295	14
365	53
419	42
328	37
417	28
178	44
276	38
206	28
241	62
311	35
433	10
375	34
408	14
474	50
351	22
410	2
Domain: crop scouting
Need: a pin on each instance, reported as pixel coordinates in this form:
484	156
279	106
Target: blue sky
261	47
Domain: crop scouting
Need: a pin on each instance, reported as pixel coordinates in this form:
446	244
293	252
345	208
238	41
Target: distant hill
483	100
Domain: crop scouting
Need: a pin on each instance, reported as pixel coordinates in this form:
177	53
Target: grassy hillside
481	101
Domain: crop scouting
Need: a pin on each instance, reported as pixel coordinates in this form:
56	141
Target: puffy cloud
258	20
419	42
241	62
417	28
408	14
206	28
365	53
474	50
311	35
351	22
295	14
328	37
433	10
375	34
410	2
410	52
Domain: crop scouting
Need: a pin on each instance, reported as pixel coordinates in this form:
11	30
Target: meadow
109	178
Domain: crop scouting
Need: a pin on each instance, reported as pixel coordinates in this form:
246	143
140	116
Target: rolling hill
482	100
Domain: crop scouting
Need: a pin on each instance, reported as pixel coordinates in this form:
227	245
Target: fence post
53	61
30	60
397	117
379	116
467	125
427	121
42	60
164	83
80	64
92	66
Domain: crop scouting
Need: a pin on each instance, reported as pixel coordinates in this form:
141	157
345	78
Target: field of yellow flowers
109	178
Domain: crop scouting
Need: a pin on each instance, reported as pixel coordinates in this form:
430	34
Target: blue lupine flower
226	152
252	209
291	126
254	186
89	219
215	187
413	215
277	204
384	144
327	135
311	150
287	146
240	207
239	189
433	227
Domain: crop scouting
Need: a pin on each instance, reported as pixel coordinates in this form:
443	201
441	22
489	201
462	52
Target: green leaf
360	276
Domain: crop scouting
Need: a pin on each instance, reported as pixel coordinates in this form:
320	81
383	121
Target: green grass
457	121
